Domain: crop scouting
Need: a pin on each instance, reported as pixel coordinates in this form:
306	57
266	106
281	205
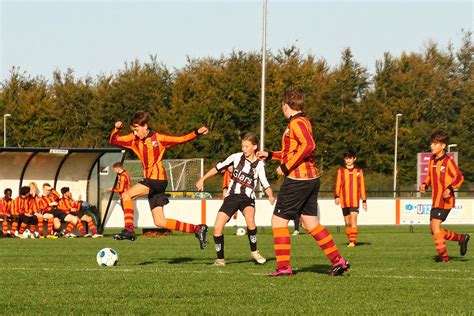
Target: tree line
348	106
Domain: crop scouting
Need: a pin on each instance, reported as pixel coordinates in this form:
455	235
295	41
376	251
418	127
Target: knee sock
282	246
440	245
128	213
219	244
252	235
326	242
180	226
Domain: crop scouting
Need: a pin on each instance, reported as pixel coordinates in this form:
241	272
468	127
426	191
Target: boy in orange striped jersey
47	203
70	206
22	209
298	194
444	177
348	190
124	182
150	147
6	210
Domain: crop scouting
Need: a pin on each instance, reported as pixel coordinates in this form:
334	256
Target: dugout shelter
88	172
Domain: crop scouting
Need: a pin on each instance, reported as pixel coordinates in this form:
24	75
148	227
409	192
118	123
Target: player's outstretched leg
326	242
200	231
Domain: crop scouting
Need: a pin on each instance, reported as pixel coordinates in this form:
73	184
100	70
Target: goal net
182	173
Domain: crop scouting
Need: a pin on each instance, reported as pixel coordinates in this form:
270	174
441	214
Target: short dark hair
140	118
350	153
118	165
64	190
7	190
46	184
24	190
439	136
251	137
294	98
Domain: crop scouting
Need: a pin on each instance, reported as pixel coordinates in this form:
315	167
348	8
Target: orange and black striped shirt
443	173
66	205
6	206
350	187
150	150
46	200
124	182
20	206
296	157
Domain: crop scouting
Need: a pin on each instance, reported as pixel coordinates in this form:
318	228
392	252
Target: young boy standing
348	191
150	147
444	177
298	194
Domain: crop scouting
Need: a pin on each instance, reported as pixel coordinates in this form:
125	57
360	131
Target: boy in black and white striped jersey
246	170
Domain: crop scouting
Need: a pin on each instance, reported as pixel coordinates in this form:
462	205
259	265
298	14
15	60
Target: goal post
182	173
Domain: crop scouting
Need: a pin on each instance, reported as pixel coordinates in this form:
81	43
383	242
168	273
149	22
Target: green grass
393	273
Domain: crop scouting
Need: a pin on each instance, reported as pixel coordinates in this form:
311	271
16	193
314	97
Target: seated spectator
70	206
6	211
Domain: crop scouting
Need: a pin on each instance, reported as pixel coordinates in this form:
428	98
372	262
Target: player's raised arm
125	141
171	140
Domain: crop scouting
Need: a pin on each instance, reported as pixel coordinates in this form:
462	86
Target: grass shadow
457	259
180	260
316	268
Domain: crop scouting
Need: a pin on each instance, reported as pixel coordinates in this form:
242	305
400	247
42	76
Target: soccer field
393	272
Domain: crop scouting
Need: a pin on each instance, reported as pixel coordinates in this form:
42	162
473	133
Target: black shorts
156	195
236	202
79	213
346	211
297	197
59	214
32	220
439	213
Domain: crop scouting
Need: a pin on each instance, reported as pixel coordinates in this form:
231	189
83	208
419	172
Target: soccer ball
107	257
240	231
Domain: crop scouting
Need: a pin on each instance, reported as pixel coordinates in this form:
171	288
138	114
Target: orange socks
449	235
128	215
282	246
353	235
440	244
172	224
326	242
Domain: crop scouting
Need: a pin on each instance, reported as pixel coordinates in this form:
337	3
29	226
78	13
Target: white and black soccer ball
107	257
240	231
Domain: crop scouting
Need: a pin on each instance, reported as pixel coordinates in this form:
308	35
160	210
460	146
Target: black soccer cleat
201	234
125	235
463	244
342	266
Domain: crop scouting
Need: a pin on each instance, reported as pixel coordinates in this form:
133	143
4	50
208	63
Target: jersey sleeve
305	141
263	178
170	140
427	180
363	193
337	185
125	141
456	175
226	163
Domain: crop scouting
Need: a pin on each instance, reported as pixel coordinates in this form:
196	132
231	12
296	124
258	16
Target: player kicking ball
246	170
150	146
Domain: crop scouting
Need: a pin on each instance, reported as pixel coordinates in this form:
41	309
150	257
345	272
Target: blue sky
95	37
